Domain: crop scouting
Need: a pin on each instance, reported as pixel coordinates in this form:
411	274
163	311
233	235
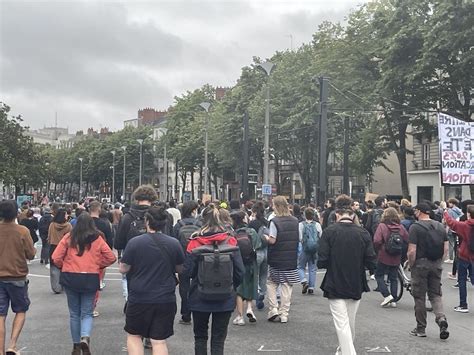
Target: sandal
11	351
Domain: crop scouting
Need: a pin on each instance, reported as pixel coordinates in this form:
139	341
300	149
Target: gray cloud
98	62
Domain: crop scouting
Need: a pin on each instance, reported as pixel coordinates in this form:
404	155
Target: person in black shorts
150	262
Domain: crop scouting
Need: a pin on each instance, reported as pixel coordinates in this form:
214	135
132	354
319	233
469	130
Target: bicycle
404	282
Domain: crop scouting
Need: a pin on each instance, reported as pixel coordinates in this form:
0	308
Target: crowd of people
228	258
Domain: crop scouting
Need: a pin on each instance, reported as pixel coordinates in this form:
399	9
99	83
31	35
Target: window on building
425	150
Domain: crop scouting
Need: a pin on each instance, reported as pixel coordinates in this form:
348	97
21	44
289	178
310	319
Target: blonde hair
211	219
404	202
280	206
224	216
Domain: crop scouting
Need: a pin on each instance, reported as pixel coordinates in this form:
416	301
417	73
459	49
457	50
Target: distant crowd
231	259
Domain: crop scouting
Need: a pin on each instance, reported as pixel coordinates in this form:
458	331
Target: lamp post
112	197
124	148
267	67
140	141
80	180
205	106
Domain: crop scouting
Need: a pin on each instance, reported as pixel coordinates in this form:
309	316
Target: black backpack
186	230
394	243
43	225
215	276
137	226
244	241
376	217
434	242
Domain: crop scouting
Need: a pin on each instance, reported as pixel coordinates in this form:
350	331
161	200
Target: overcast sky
96	63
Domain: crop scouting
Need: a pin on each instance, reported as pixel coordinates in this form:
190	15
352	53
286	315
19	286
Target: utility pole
80	180
205	106
113	176
323	139
140	141
124	148
345	173
165	169
267	67
245	153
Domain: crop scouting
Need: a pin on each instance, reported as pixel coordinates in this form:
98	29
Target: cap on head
423	207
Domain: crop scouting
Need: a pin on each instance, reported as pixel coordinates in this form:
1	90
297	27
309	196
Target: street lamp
80	180
205	106
140	141
267	67
113	176
124	148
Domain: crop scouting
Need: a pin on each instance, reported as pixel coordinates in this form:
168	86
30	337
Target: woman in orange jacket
81	255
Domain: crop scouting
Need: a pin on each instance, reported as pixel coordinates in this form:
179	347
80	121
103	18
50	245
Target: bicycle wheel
399	287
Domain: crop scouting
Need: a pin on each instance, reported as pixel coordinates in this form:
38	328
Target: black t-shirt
153	259
104	226
417	235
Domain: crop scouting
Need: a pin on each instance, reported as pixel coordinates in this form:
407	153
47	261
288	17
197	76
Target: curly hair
145	193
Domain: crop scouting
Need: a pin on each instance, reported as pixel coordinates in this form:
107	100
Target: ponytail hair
211	219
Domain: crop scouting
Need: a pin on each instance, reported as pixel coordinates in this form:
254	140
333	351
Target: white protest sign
456	142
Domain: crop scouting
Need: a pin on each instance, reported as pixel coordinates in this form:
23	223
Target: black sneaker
443	329
462	309
310	291
418	333
305	288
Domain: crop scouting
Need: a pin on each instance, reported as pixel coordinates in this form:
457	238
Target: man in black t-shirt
427	238
150	262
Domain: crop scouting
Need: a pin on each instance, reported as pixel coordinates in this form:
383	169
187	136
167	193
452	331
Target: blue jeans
262	268
380	273
310	260
464	267
81	306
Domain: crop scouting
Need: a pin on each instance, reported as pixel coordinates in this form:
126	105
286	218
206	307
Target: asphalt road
309	331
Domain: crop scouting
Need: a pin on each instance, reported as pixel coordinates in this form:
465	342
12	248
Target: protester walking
43	228
58	228
212	291
31	222
427	248
150	262
389	240
345	251
309	234
465	257
260	225
282	242
248	241
81	255
16	247
182	231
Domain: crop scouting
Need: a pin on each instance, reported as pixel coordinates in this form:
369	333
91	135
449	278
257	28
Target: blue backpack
310	240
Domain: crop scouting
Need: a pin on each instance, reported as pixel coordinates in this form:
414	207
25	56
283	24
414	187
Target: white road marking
378	349
262	349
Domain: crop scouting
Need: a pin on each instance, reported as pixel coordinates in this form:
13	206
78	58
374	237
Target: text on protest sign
456	140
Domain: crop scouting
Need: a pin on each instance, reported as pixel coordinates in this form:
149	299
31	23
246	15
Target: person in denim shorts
16	246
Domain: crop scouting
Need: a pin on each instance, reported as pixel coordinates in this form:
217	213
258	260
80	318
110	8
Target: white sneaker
372	277
251	316
449	261
238	321
47	266
283	319
387	300
393	304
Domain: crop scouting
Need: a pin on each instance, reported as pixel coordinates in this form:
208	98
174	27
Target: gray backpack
215	271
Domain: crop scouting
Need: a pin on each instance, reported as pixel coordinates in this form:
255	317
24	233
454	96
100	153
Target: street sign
266	189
